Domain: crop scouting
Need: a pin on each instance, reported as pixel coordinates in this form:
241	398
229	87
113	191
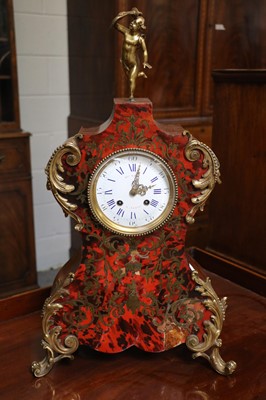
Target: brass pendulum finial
133	41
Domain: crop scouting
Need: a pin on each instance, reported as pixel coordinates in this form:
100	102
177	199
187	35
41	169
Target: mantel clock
132	186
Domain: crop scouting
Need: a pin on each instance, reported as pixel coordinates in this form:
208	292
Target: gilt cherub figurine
133	42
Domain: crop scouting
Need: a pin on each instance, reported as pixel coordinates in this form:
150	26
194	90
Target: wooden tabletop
135	375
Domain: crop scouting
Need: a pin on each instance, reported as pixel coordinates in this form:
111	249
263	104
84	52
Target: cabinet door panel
235	39
14	156
238	210
16	237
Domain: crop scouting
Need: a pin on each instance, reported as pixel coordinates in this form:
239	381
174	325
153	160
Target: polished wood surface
238	212
142	376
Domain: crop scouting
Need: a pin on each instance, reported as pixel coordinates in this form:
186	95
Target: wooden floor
135	375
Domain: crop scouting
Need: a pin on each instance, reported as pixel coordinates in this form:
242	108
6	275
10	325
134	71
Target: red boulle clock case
132	291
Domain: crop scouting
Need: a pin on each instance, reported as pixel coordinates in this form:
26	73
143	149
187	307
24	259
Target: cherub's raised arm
134	12
118	26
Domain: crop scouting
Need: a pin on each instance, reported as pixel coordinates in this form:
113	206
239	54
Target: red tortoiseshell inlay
132	290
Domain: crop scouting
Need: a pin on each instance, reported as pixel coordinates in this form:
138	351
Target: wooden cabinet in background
17	248
185	41
175	41
235	39
175	37
238	212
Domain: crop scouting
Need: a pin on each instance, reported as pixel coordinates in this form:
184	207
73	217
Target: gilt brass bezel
138	230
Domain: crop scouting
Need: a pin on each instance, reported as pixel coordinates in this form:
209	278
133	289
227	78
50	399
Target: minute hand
135	183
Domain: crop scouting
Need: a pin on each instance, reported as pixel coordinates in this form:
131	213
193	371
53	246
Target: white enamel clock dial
132	192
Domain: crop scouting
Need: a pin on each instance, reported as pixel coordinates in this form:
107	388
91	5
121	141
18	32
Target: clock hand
135	183
142	190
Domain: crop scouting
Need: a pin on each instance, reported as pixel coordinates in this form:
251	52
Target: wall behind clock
42	57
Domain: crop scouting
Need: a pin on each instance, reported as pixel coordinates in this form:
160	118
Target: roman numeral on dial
132	167
111	203
121	212
154	203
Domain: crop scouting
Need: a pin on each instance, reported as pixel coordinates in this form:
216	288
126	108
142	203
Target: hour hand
142	190
135	183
